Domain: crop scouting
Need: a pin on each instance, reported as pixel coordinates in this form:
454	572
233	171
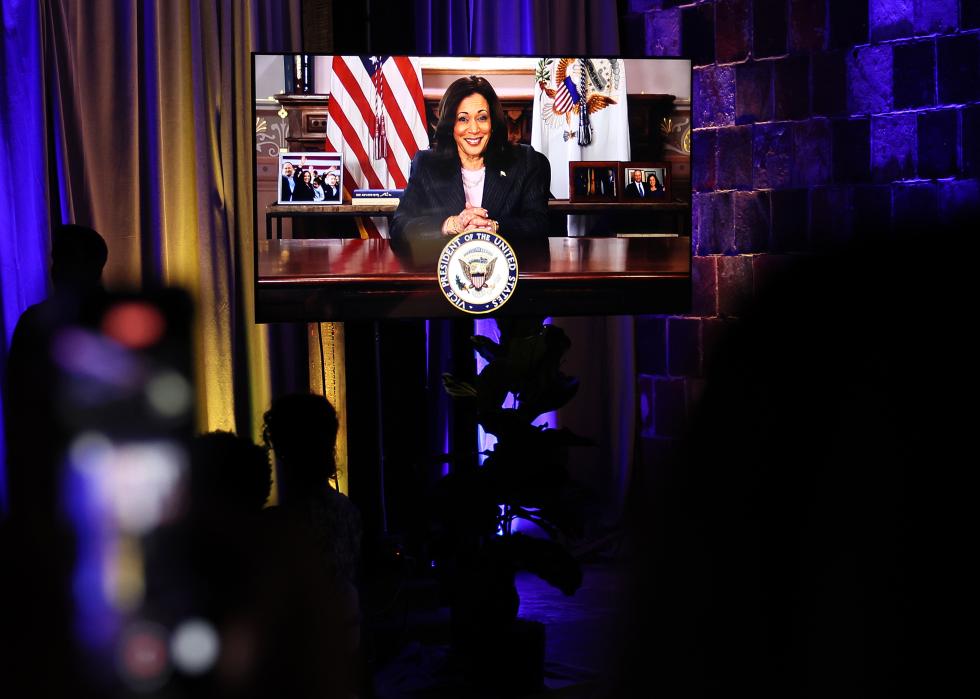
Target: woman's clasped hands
470	217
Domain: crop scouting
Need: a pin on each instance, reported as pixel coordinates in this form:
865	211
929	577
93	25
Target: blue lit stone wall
815	122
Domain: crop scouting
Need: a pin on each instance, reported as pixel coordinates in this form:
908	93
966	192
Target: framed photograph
311	178
643	182
593	180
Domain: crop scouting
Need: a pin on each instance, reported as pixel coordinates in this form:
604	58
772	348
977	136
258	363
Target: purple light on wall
435	349
517	27
150	150
23	196
513	23
443	26
58	151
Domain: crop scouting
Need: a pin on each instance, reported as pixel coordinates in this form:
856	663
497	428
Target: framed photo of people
311	178
645	182
594	181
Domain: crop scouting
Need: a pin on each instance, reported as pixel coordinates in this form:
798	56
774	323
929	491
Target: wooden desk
281	211
337	279
680	210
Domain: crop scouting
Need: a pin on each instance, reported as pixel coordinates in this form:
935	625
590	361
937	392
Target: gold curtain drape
150	117
327	369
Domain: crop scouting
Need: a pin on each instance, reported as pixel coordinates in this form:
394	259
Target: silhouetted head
302	431
230	471
78	255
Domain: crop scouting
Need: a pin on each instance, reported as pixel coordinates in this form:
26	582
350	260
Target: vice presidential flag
377	120
579	114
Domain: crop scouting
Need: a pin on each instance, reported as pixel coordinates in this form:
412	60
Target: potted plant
525	475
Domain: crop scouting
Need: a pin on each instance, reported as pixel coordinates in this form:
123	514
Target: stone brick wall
815	122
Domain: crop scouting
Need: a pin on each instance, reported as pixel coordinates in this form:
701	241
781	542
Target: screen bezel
670	303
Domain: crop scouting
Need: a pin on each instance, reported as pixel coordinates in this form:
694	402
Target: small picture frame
645	182
311	178
594	181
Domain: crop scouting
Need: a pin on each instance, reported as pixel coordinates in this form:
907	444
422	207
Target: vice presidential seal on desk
477	271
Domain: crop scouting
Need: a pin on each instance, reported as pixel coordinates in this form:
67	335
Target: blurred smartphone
125	404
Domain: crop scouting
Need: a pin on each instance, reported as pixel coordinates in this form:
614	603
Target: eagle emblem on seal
570	85
477	272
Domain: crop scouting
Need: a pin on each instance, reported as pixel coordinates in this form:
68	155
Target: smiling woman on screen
473	177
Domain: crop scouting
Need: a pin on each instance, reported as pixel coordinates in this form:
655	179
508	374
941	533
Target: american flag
376	107
566	96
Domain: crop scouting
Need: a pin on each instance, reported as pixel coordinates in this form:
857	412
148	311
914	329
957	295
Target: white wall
667	76
270	78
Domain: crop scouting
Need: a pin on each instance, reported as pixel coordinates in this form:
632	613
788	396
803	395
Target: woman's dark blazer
515	196
303	192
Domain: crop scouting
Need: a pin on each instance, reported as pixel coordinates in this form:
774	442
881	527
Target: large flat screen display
367	166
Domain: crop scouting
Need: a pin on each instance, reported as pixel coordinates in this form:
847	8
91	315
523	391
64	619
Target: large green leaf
456	388
538	399
525	355
511	328
486	348
492	386
528	466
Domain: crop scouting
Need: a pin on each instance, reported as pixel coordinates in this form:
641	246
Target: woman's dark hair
78	254
499	149
229	470
301	428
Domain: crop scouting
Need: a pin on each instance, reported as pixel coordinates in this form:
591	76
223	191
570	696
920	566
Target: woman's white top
473	185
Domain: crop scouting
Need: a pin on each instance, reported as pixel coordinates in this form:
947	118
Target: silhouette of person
636	189
809	530
34	439
304	187
654	184
287	182
282	619
317	189
331	188
607	183
36	546
582	181
229	473
301	430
